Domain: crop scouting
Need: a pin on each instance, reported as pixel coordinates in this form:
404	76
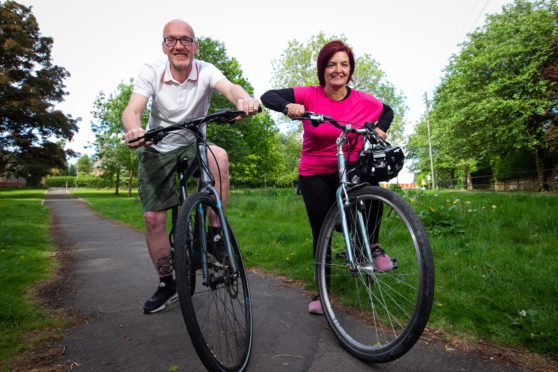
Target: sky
105	42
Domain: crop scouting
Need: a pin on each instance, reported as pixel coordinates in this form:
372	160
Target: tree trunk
468	177
117	182
541	186
130	181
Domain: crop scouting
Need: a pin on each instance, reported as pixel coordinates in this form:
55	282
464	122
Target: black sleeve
278	99
385	119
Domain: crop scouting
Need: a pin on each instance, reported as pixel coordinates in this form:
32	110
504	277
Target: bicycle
212	286
393	304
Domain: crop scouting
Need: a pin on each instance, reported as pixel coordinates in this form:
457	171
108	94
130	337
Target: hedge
87	181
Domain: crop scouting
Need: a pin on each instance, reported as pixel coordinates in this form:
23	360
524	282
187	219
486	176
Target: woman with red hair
318	176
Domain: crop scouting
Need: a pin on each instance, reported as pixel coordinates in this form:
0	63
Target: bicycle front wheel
375	314
217	311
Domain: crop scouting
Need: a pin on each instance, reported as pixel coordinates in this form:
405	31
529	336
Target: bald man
179	87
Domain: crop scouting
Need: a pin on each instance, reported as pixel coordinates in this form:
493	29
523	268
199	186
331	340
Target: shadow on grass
102	194
22	193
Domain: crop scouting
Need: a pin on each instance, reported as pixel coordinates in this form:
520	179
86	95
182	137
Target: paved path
113	276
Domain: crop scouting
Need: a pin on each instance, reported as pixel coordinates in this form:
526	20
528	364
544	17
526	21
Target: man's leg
219	168
158	241
157	192
159	251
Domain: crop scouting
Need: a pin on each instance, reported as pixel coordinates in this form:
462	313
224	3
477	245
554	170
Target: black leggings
318	193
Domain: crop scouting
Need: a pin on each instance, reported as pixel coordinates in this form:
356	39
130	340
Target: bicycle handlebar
220	116
317	119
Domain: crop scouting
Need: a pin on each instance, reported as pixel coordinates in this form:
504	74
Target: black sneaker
165	295
217	247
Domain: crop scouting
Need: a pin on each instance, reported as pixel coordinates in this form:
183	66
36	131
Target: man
179	87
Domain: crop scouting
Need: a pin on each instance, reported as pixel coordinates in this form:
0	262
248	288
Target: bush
87	182
60	181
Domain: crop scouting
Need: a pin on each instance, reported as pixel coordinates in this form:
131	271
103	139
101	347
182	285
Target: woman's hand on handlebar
380	133
294	110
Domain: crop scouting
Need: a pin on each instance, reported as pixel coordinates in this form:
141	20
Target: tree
297	67
85	165
494	100
30	86
252	144
114	155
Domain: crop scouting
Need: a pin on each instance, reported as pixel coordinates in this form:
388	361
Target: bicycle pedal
211	259
341	256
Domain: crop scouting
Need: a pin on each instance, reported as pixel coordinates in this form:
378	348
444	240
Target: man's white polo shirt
173	102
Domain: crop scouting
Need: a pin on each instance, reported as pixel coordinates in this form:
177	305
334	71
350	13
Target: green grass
25	259
496	255
496	259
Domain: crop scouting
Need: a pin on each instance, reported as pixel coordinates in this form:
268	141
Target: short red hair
327	52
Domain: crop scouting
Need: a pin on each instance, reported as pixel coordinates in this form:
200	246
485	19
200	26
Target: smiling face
180	56
337	71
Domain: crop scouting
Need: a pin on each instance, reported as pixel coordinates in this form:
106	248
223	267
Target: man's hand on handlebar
249	105
133	134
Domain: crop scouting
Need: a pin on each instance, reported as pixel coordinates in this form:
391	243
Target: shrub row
87	181
100	182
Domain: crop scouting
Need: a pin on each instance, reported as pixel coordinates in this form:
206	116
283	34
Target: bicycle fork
225	235
343	204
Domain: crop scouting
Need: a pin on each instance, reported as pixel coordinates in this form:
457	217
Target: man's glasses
185	41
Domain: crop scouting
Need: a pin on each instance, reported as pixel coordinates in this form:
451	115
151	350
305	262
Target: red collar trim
193	76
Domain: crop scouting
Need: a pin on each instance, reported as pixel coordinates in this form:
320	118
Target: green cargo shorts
157	176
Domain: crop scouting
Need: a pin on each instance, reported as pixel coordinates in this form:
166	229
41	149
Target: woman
318	177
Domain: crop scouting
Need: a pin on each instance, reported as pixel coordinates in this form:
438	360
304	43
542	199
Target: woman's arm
278	99
384	121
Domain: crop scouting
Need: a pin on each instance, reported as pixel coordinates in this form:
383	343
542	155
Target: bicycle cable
203	166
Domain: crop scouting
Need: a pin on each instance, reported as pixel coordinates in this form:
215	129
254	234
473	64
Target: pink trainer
315	307
382	262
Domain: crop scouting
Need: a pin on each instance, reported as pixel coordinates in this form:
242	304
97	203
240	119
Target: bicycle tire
218	314
376	316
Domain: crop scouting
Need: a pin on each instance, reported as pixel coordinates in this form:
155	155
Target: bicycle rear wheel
218	312
376	316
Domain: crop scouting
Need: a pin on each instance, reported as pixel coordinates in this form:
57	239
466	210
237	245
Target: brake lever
229	116
315	119
155	136
370	126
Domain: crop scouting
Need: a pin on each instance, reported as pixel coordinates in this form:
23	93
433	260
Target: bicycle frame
343	202
205	184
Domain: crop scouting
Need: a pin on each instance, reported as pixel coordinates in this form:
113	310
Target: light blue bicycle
375	314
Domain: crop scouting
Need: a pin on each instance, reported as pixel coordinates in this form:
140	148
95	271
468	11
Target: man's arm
238	96
131	119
